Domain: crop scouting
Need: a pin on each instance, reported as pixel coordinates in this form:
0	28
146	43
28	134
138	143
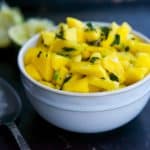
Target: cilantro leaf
93	59
60	34
113	77
39	54
105	31
56	75
116	40
68	49
90	26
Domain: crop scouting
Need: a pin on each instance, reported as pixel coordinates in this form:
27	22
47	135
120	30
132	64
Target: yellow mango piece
62	26
30	54
65	47
58	61
113	65
77	58
71	34
31	70
126	59
124	31
143	60
87	68
111	35
89	50
86	54
93	88
73	22
79	85
137	46
91	35
122	86
95	57
42	63
96	54
48	37
49	84
57	45
80	35
134	74
60	75
105	84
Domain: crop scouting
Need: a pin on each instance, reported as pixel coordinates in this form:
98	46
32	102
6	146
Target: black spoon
10	107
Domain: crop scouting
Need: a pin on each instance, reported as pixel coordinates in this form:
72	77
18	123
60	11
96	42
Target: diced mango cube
143	60
30	54
42	63
80	35
93	88
134	74
70	34
91	35
60	75
113	65
58	61
105	84
78	85
124	31
111	35
77	58
73	22
48	37
87	68
137	46
31	70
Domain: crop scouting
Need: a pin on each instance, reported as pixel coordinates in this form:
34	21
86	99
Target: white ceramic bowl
85	113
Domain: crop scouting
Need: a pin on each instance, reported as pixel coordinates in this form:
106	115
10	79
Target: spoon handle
19	138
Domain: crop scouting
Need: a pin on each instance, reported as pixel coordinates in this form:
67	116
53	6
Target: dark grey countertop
42	135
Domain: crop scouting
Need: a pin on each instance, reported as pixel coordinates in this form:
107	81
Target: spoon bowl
11	105
10	108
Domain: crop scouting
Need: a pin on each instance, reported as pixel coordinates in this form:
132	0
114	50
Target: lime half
8	17
19	34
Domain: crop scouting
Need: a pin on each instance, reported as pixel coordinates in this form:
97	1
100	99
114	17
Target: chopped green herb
67	79
90	26
56	75
60	35
105	31
113	77
116	40
62	54
93	59
127	48
45	45
39	54
68	49
102	78
94	43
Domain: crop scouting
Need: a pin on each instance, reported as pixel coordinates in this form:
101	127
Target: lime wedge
19	34
8	17
4	39
12	13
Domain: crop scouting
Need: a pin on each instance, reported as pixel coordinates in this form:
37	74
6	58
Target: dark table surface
43	136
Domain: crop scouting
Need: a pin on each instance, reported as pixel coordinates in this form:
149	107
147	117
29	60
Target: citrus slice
8	17
19	34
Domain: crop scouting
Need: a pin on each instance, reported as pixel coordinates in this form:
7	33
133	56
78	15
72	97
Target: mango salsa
86	57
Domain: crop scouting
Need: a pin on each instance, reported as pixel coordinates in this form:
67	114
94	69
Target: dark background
73	4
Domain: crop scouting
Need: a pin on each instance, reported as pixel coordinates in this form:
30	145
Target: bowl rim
61	92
